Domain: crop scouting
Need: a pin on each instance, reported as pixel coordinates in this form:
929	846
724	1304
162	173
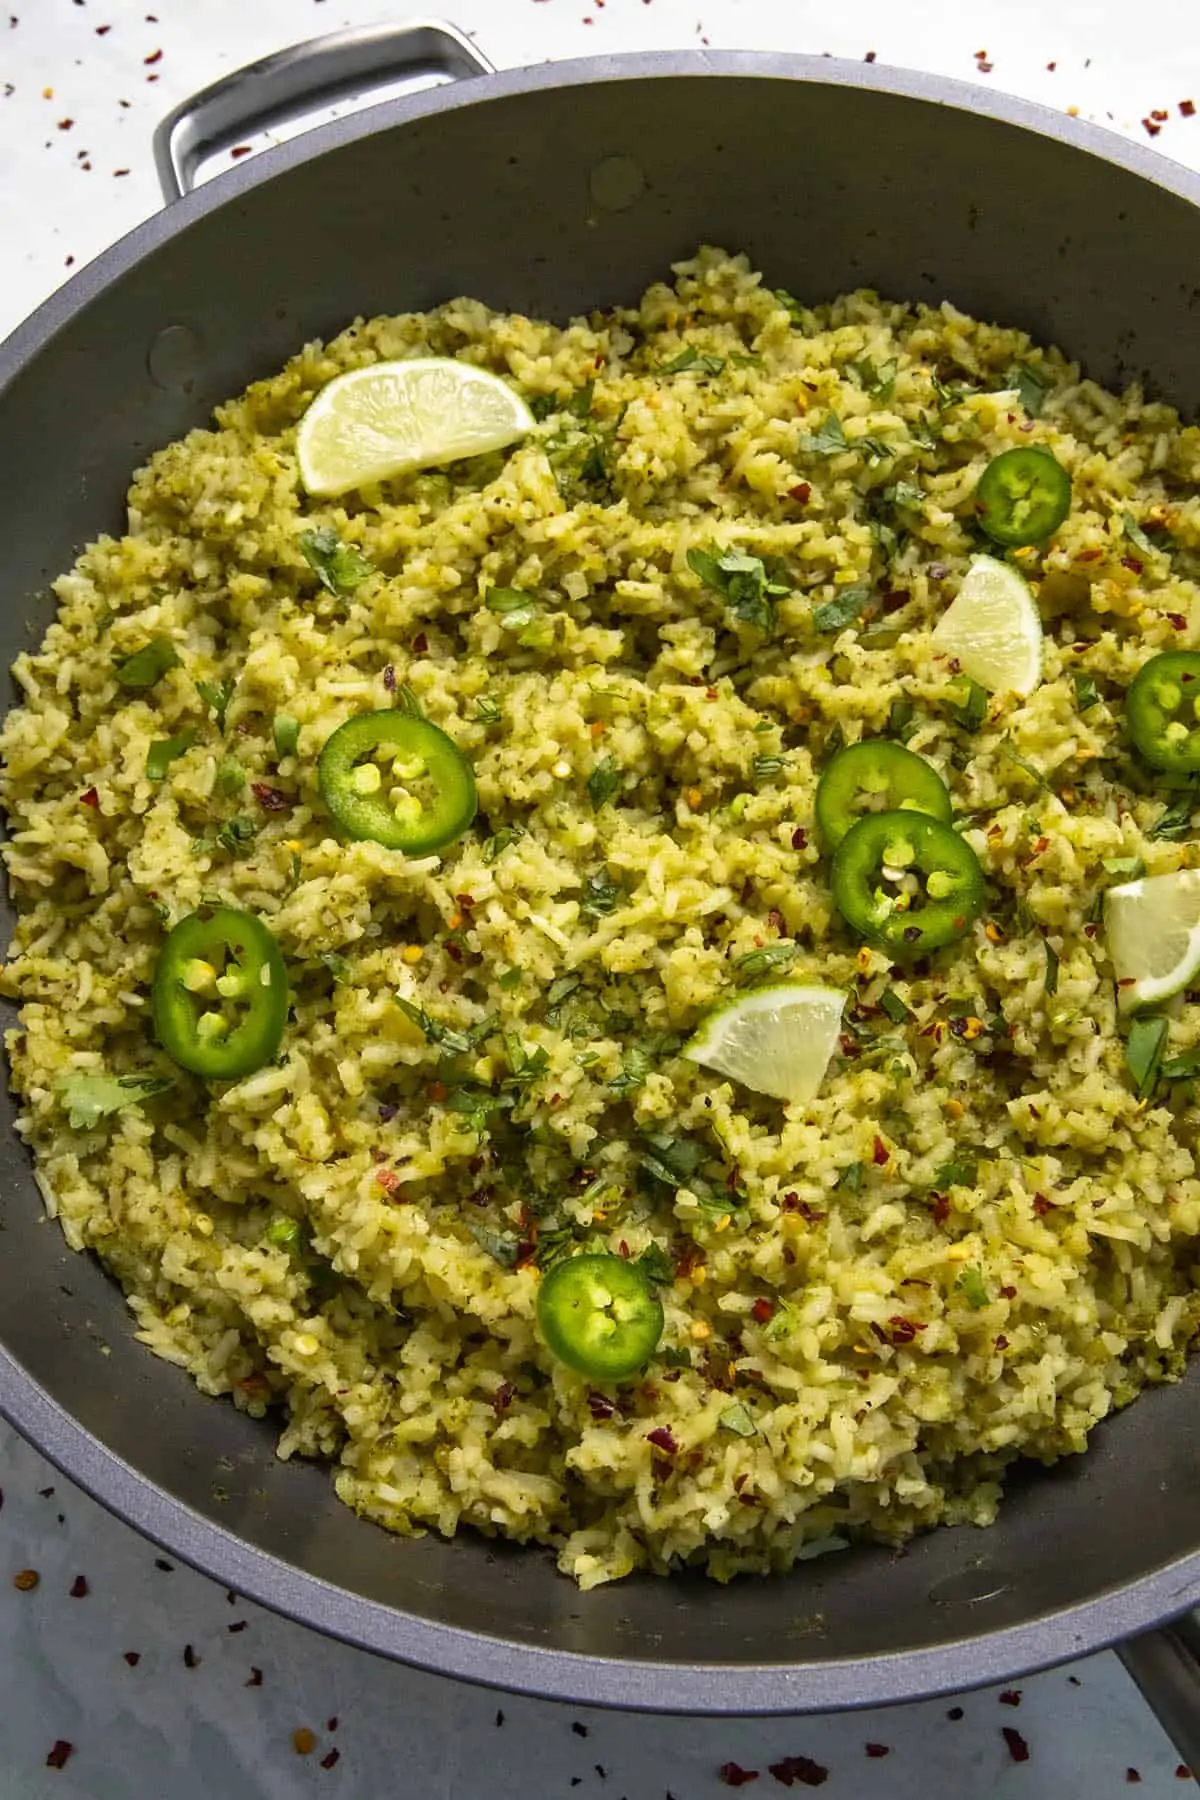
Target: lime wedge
777	1040
1152	929
993	629
390	417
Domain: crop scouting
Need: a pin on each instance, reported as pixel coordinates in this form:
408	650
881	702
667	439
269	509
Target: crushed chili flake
877	1750
799	1769
941	1208
1187	108
239	150
802	492
1182	1771
869	57
25	1580
601	1407
388	1180
663	1438
903	1330
879	1153
90	798
190	1659
502	1399
160	1562
61	1754
154	56
1159	114
1008	1293
1133	564
237	1625
1177	620
133	1658
733	1775
955	1713
1018	1749
79	1589
1152	130
332	1724
331	1759
1002	1343
304	1741
763	1310
255	1677
1132	1776
1011	1697
269	798
420	644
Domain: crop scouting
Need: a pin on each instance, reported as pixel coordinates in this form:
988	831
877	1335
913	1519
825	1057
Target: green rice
973	1246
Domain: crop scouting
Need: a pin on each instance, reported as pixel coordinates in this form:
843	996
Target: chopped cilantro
286	732
337	965
878	379
1181	1068
655	1264
738	1419
146	666
339	567
967	703
1144	1052
973	1287
1175	821
901	719
1032	386
895	1008
766	768
744	582
851	1177
771	956
500	1245
604	782
162	754
1050	983
500	841
1087	694
694	361
216	695
1125	868
842	610
828	440
487	710
599	895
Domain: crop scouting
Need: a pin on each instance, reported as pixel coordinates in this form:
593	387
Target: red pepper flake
879	1153
420	644
240	150
801	493
160	1562
601	1407
90	798
1041	1206
25	1580
1132	1776
799	838
955	1713
1089	555
903	1330
388	1180
1188	109
941	1208
663	1439
331	1759
894	599
454	952
799	1769
237	1625
190	1659
79	1589
1182	1772
869	57
269	798
119	172
1052	66
65	124
437	1091
133	1658
1160	115
503	1397
332	1724
154	56
1011	1697
1008	1293
624	1250
1133	564
103	30
763	1310
1152	129
1177	620
1002	1343
255	1677
733	1775
877	1750
61	1754
1018	1749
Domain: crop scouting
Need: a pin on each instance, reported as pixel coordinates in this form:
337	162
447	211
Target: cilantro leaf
339	567
973	1287
656	1265
1125	868
766	768
600	896
604	782
216	695
967	702
1174	822
162	754
691	360
738	1419
771	956
895	1008
829	439
90	1096
1032	386
901	720
1181	1067
1143	1053
877	378
742	581
1087	694
145	666
1050	984
487	710
842	610
500	841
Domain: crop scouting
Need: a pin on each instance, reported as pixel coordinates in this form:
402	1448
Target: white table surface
82	83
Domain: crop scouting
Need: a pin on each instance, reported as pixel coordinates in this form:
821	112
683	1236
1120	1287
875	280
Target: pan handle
1165	1664
291	82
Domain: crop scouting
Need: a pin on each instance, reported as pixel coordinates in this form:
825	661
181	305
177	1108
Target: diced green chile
600	1315
1023	496
876	775
439	801
1162	708
948	892
230	1023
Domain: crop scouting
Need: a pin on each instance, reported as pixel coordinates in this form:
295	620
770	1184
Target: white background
162	1728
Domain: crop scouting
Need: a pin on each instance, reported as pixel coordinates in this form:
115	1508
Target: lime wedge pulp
777	1040
1152	931
992	628
388	418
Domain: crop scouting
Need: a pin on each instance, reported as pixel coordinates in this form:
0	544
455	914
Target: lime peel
776	1040
992	628
1152	932
389	418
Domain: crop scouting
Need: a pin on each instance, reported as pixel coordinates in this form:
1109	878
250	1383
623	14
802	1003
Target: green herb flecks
896	1009
1174	822
1087	694
973	1288
285	732
967	703
216	695
1032	386
691	361
738	1419
501	840
771	956
1050	982
339	567
600	896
